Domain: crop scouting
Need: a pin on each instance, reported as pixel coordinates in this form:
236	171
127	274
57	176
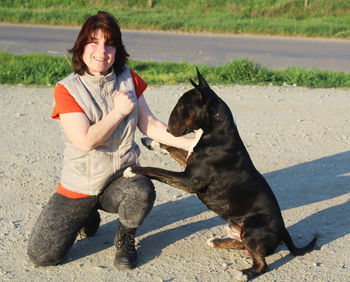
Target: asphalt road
272	52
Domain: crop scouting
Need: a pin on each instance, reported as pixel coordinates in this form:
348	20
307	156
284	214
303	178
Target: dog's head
198	108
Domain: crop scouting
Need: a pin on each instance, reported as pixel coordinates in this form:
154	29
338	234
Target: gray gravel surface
297	137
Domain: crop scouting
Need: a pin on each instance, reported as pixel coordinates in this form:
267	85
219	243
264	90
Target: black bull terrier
220	172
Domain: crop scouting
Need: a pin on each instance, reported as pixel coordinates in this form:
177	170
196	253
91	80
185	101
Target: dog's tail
298	251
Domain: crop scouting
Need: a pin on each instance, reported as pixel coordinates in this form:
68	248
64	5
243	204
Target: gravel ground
298	138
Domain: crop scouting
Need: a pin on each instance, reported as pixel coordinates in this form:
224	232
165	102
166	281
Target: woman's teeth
99	59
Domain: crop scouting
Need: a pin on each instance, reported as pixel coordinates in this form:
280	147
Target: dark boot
92	224
126	255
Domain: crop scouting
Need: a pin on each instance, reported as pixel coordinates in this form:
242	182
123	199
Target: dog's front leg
177	154
180	180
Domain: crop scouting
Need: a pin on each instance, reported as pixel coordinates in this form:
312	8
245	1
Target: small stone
101	267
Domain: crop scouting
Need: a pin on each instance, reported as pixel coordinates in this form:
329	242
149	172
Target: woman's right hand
124	102
86	136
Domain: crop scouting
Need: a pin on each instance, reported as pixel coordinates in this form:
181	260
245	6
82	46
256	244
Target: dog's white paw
240	276
154	145
128	173
210	242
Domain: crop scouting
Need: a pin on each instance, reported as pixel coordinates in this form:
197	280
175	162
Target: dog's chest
198	134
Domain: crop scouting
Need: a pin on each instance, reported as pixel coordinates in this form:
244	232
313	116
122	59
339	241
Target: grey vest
90	172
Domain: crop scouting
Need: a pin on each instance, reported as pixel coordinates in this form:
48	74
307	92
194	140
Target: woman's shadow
311	182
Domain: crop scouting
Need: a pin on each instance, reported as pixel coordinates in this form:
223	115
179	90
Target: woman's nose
102	46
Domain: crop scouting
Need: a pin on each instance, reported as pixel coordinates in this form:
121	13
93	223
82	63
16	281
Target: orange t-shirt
65	103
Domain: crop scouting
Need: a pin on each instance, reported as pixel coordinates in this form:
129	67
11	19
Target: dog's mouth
174	132
179	131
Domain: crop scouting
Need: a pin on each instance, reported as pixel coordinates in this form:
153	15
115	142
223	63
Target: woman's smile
99	59
98	56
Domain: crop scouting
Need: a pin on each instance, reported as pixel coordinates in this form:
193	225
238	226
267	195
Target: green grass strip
191	21
47	70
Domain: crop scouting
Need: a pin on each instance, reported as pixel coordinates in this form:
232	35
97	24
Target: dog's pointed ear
198	91
194	84
201	79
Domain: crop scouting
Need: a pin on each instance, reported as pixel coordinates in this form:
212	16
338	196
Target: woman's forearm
87	137
98	133
158	132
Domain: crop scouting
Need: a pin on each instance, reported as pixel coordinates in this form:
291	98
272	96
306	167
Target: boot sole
125	266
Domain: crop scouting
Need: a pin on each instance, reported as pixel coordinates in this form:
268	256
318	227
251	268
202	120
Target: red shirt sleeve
64	102
140	84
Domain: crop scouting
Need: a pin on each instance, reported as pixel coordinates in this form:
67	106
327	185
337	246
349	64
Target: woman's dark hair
109	26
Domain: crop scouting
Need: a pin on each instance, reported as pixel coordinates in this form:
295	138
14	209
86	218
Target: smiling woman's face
98	55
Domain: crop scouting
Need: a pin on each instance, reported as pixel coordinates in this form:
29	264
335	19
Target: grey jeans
62	218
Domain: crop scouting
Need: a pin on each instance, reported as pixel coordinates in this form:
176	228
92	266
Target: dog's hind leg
259	266
225	243
258	243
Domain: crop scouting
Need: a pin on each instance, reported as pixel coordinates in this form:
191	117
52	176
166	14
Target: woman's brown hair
108	24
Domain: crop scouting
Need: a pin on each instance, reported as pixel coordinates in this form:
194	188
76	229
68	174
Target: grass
47	70
32	69
321	18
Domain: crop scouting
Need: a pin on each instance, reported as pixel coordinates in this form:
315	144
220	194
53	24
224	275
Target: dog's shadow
307	183
159	240
322	180
333	223
312	182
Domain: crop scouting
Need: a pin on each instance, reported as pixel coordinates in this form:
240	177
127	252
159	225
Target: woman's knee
43	259
134	191
131	198
138	202
56	228
144	189
45	247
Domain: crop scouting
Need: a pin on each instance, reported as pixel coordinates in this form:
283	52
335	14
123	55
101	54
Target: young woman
99	107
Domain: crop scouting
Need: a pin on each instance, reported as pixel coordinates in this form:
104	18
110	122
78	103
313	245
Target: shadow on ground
310	182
